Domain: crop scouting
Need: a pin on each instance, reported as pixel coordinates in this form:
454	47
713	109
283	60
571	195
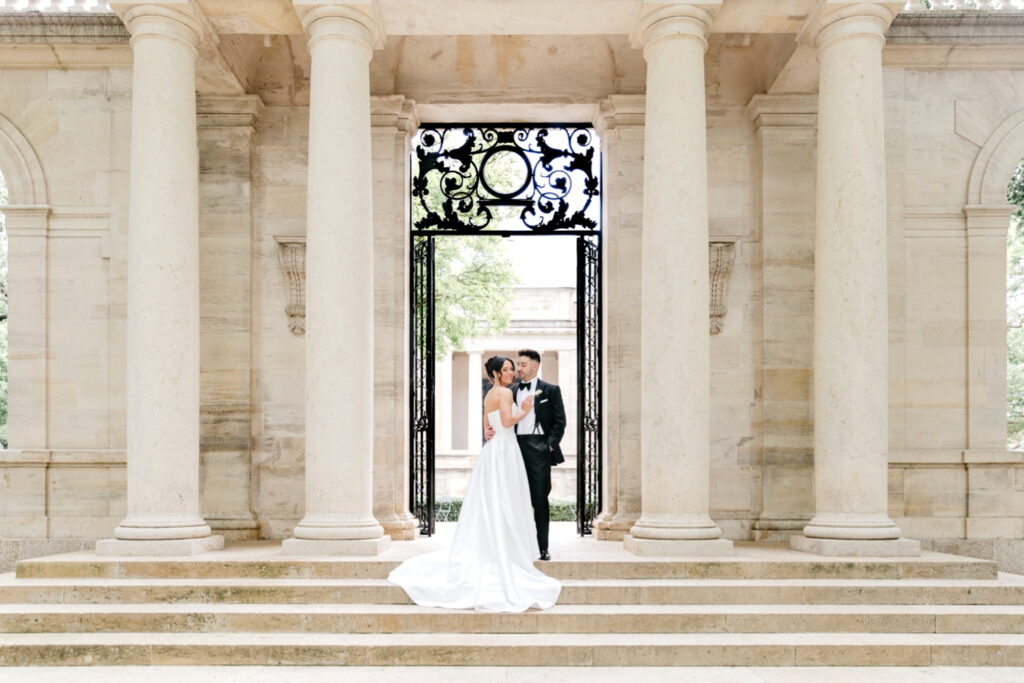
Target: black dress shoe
544	555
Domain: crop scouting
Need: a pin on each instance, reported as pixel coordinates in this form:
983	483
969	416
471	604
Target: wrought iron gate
556	189
421	354
588	377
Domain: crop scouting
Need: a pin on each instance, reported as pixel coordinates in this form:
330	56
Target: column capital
356	20
176	19
835	19
655	22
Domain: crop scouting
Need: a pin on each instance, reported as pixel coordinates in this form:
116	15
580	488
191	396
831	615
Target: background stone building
952	85
544	319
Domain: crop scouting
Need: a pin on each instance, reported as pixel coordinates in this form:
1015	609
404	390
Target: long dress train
489	566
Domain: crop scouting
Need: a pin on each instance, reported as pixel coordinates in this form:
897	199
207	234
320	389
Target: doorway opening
533	190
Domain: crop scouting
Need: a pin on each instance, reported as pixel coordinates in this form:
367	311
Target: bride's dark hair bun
494	364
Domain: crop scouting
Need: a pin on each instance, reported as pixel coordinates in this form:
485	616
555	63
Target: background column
675	353
443	403
163	293
475	402
851	340
339	290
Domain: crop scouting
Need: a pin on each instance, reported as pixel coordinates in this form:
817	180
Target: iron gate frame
422	383
589	278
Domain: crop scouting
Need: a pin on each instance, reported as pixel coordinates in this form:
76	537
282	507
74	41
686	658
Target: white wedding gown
489	566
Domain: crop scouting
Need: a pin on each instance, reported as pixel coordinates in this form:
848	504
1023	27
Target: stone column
443	406
620	124
339	289
475	402
675	353
163	292
851	345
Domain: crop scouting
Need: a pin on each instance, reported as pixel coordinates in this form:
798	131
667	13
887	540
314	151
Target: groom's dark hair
531	354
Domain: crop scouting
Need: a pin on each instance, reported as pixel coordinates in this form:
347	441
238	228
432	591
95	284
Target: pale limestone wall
735	351
226	130
953	142
278	413
785	162
64	475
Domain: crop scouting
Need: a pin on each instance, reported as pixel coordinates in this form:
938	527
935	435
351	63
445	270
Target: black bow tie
525	386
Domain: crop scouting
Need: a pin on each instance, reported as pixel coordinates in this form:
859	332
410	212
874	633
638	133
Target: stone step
19	618
1008	590
271	565
546	649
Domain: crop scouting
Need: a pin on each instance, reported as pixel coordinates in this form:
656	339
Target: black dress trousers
537	459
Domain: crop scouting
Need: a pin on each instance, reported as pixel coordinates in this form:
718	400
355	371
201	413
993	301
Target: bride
489	566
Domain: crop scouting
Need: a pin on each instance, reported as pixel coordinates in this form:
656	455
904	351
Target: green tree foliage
472	289
1015	314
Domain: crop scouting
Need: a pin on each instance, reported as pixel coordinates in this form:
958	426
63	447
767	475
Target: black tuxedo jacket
551	414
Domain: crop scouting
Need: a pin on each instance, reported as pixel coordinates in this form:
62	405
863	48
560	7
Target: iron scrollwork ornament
547	177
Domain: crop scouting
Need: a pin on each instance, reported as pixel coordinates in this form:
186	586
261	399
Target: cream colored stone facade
953	133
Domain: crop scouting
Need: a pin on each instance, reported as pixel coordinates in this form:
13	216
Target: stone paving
328	674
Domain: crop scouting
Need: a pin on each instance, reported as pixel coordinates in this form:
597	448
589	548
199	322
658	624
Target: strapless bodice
494	417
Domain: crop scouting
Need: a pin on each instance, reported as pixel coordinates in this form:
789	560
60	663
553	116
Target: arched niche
996	162
26	184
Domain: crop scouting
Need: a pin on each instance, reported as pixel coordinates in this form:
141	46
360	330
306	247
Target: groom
539	435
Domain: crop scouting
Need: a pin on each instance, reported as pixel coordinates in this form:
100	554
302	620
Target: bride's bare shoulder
499	392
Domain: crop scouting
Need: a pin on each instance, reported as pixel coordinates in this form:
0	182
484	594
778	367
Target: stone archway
27	220
988	215
995	163
26	184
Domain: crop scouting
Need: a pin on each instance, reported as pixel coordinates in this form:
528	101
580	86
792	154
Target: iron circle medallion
511	157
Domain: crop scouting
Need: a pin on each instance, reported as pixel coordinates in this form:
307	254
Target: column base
614	527
235	528
361	546
337	527
897	547
163	548
704	548
400	527
778	529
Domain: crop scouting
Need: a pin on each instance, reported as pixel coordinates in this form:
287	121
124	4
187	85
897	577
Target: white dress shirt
529	424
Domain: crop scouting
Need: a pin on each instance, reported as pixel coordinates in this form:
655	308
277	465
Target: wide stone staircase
766	605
